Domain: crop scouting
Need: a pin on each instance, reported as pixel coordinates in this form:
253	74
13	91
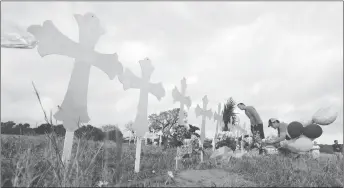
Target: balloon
325	116
312	131
16	36
302	144
294	129
306	122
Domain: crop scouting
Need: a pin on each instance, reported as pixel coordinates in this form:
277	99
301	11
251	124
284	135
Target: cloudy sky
283	58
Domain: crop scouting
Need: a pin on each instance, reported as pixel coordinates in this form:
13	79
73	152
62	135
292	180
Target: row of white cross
73	109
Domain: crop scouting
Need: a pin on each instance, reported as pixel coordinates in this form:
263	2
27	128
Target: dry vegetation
34	161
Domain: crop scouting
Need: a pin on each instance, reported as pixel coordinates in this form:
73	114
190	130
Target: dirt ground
211	178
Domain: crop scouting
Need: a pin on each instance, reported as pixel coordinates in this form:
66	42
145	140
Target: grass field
34	161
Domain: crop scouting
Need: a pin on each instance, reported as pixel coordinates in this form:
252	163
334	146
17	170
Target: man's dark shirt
336	148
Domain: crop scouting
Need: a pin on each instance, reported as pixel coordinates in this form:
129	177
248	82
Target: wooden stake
201	145
214	143
138	155
159	140
67	147
177	163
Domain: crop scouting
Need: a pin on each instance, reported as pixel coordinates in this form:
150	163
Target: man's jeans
258	129
258	134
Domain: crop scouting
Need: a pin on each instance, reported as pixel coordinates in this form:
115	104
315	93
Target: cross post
218	118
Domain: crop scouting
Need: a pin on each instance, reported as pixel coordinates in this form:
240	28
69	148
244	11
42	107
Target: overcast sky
283	58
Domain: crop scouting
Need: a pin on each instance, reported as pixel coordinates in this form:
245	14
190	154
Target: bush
326	149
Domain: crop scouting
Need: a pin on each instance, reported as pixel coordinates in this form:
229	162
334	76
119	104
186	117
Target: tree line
165	121
88	132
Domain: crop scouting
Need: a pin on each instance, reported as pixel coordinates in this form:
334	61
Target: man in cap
282	131
279	142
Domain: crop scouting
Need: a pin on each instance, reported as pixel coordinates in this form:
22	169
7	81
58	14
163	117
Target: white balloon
301	144
325	116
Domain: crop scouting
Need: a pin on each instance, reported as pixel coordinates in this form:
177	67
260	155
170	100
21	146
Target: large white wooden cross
129	80
180	96
51	41
205	114
218	118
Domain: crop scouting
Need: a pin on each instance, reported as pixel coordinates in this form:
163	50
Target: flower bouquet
225	138
251	142
195	143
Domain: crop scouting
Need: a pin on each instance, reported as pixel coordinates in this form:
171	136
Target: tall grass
34	162
280	171
29	161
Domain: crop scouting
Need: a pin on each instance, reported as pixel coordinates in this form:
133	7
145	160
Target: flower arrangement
195	143
183	150
225	138
190	146
256	142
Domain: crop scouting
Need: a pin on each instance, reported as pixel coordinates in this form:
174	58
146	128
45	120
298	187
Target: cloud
283	58
192	80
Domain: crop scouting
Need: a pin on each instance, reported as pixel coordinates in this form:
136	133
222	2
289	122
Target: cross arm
208	113
51	41
217	117
129	80
176	95
198	110
157	89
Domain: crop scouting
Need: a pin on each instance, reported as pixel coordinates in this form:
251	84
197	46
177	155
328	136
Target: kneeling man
282	133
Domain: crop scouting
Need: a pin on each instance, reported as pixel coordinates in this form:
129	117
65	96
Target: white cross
51	41
129	80
180	96
160	134
205	114
218	118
